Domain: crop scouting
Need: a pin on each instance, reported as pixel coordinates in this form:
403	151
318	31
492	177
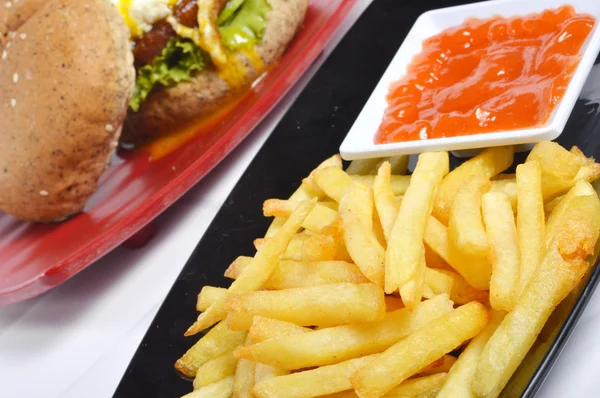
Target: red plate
135	189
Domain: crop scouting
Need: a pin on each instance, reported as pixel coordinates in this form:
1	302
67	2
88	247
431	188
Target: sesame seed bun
65	80
168	108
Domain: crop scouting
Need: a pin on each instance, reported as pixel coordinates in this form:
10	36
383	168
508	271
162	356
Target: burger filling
173	40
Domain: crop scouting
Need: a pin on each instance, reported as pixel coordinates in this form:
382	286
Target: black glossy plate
313	130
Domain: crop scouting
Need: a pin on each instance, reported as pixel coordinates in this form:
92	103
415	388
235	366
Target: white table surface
76	340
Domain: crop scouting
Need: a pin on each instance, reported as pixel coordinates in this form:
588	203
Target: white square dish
360	140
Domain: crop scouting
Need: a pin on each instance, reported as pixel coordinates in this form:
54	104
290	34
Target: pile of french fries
373	283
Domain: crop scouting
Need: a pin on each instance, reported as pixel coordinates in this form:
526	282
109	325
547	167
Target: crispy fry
243	380
364	166
335	161
309	247
439	282
216	342
265	372
460	377
325	305
321	216
442	365
422	387
504	250
405	257
208	295
216	369
508	187
220	389
399	164
263	329
258	271
419	349
398	183
333	182
385	202
336	344
311	383
359	238
486	164
530	219
559	167
462	292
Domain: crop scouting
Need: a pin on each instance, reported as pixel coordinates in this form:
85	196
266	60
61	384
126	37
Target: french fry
442	365
325	305
385	202
259	270
216	369
504	250
356	206
434	260
333	182
399	164
263	329
335	161
364	166
422	387
530	219
216	342
264	372
460	377
208	295
398	183
439	282
508	187
419	349
309	247
336	344
468	246
243	380
289	274
312	383
303	193
554	278
486	165
321	216
462	292
220	389
405	257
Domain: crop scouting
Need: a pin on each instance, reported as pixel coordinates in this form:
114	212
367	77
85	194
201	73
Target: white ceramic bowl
360	140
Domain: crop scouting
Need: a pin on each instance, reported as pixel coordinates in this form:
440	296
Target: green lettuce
179	60
244	23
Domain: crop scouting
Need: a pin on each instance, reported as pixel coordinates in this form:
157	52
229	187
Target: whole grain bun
15	15
168	108
65	80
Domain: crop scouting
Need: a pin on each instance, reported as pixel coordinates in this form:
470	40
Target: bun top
66	76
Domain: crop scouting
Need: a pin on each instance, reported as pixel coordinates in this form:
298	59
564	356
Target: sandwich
78	77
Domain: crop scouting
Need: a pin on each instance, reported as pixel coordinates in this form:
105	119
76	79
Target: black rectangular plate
311	131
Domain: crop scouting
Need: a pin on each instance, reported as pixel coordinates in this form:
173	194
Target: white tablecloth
76	340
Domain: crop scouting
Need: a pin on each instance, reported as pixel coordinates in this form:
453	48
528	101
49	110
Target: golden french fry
364	166
278	208
442	365
331	345
289	274
462	292
465	226
265	372
333	182
531	221
460	377
311	383
220	389
553	279
486	164
550	206
360	240
310	247
304	192
259	270
432	259
422	387
321	216
263	329
208	295
417	350
504	250
405	258
216	369
439	282
243	380
399	164
398	183
508	187
559	167
216	342
325	305
385	201
334	161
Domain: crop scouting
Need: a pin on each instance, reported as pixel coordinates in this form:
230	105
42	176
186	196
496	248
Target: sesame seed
43	192
13	35
4	54
23	36
9	44
15	78
8	4
13	102
109	128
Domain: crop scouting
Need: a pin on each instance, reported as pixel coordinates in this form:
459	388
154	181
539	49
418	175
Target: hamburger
78	77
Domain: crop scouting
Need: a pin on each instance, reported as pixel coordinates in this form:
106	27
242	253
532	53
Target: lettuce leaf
245	25
179	60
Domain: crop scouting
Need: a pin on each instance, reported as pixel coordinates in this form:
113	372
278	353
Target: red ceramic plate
135	189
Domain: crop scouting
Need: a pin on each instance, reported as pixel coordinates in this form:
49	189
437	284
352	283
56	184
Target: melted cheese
139	15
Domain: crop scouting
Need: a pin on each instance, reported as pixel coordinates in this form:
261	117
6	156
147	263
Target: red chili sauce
486	76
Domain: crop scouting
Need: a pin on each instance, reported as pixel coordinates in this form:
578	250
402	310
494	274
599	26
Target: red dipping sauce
486	76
